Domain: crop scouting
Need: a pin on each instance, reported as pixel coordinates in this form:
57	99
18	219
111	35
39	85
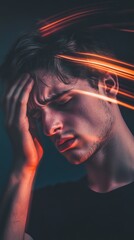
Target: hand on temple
27	148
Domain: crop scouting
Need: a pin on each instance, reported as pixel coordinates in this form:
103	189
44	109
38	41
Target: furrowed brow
54	97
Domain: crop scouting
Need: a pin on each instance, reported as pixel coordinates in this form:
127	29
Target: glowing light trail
122	26
127	30
106	58
112	100
66	18
103	65
107	65
63	22
123	93
95	61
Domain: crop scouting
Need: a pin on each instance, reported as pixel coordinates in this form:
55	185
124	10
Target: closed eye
62	101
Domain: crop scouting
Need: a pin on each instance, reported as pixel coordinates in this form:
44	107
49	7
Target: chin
78	157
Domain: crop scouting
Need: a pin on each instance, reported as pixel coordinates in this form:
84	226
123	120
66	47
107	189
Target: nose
52	123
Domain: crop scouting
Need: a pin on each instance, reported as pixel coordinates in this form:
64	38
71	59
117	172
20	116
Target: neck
113	165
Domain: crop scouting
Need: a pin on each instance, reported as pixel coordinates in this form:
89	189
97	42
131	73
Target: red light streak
63	22
117	68
127	30
122	26
95	61
64	19
121	71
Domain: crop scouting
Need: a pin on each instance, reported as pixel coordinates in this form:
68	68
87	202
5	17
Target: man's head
76	122
32	51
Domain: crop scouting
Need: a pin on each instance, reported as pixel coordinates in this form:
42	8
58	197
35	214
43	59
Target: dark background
17	17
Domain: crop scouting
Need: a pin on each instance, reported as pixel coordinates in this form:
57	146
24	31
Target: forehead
47	84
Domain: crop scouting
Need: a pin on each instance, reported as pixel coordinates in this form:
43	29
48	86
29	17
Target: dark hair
32	51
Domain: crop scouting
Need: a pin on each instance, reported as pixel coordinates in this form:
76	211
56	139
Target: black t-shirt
71	211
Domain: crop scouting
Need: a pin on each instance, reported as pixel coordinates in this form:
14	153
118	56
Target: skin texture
27	155
27	148
96	125
74	114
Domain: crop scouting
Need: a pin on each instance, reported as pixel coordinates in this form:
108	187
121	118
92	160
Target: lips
65	144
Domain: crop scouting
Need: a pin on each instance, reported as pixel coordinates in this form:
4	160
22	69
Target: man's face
77	123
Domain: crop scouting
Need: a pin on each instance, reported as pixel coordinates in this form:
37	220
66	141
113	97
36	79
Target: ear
109	85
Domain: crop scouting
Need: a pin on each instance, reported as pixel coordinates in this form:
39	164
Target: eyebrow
54	97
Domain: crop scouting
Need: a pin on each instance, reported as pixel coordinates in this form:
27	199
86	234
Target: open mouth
66	145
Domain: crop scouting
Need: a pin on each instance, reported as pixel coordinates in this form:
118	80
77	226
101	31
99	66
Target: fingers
14	89
25	145
21	106
16	100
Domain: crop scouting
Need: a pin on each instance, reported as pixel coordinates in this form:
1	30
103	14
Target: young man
56	93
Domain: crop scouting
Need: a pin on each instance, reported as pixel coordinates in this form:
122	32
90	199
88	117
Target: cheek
85	117
77	119
82	114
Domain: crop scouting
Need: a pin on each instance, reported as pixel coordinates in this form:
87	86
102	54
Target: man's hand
27	148
27	154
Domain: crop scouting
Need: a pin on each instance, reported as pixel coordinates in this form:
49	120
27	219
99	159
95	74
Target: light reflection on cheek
91	138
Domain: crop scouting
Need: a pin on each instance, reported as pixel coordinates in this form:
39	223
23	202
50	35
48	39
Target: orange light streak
122	92
99	96
103	65
66	18
107	66
127	30
60	22
106	58
95	61
121	26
